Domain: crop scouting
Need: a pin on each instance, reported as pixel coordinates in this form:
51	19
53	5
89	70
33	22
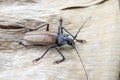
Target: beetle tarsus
36	60
29	29
21	43
81	41
58	61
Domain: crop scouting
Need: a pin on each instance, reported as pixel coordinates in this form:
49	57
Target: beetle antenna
80	28
81	62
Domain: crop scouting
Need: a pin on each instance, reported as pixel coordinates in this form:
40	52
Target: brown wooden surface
101	53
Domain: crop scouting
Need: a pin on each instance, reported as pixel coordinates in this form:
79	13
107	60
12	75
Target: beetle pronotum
53	40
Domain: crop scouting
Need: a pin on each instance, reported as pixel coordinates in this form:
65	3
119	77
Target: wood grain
101	53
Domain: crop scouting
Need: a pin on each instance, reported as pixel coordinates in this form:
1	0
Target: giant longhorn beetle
53	40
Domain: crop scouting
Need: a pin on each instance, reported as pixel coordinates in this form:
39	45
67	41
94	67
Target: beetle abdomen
42	38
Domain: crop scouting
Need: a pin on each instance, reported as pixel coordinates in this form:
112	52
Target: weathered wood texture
101	53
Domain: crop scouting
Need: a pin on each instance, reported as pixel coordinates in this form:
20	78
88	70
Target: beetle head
70	42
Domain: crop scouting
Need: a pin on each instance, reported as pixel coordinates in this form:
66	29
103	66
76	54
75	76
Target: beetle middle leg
63	58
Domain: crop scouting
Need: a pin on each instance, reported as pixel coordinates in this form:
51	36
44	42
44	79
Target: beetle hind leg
44	25
59	61
22	43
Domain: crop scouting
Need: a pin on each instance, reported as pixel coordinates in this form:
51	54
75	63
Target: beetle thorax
64	39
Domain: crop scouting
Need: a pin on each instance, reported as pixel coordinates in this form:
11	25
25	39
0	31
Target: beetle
52	40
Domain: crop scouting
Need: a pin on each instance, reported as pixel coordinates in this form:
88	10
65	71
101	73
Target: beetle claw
57	62
21	43
35	60
81	41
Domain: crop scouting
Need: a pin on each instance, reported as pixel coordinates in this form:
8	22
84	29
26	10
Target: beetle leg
29	29
37	59
21	43
47	29
60	31
63	58
81	41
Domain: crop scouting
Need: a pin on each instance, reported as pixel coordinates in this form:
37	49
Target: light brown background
101	53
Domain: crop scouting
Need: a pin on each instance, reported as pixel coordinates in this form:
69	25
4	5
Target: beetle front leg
63	58
37	59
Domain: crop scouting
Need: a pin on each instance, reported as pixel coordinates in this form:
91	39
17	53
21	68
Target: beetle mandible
52	40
